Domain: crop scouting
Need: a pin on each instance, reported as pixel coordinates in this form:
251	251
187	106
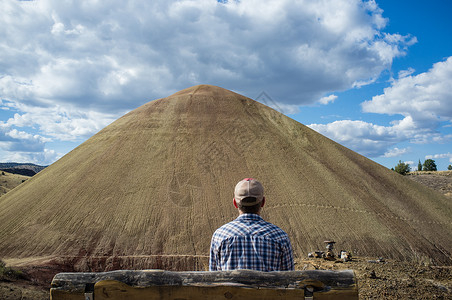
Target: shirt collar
249	217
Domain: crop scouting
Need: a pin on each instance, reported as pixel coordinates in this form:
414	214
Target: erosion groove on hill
149	190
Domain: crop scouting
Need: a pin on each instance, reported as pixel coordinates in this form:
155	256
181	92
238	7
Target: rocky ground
377	279
23	290
389	279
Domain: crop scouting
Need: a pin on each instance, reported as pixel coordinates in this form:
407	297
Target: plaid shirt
249	242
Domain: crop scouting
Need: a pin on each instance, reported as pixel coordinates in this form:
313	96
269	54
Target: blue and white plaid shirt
249	242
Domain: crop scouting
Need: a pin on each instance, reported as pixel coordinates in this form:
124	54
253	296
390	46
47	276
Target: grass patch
9	274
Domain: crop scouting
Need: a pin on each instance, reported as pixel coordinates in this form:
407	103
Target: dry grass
440	181
440	173
9	181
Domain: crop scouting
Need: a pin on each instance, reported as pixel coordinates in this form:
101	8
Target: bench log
238	284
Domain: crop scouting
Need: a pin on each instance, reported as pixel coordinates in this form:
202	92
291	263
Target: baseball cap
248	187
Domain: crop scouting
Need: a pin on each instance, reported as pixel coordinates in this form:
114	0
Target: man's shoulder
240	226
274	230
274	227
228	228
251	224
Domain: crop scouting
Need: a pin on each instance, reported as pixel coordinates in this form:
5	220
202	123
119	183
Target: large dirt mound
149	190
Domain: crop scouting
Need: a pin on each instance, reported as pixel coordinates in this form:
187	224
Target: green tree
402	168
419	166
449	167
429	165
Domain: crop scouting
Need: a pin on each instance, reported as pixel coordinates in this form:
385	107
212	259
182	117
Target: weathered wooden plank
114	290
322	284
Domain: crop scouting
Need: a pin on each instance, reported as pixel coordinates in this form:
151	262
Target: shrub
9	273
402	168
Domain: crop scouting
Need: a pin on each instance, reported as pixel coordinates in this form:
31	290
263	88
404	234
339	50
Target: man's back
249	242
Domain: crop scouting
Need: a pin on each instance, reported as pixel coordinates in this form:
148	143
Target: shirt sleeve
213	255
287	263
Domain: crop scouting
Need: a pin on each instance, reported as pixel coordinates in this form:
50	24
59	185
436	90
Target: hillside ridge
27	169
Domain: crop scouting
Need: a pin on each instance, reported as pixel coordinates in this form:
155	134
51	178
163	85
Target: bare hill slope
149	190
9	181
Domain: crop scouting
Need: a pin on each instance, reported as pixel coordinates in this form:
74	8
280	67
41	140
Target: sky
374	76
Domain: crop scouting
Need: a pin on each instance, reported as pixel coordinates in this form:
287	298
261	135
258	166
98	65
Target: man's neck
242	213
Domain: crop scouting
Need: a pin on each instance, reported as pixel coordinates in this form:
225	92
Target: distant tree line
26	169
24	172
428	165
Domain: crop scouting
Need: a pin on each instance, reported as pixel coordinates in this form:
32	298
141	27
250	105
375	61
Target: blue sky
375	76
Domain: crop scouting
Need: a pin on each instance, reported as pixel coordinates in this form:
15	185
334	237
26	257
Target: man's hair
254	209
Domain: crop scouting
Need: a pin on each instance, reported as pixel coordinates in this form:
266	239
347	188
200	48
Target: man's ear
263	202
235	203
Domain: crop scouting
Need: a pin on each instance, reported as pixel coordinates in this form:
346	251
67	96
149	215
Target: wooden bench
239	284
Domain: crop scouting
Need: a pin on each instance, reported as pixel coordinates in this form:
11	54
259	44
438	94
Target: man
249	242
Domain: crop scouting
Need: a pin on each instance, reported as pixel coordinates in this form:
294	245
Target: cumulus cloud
14	140
366	138
423	99
70	67
327	99
443	155
424	102
21	146
410	162
375	140
394	152
64	124
114	55
46	157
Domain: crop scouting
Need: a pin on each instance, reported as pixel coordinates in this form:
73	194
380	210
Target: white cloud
14	140
395	152
114	55
424	99
61	124
69	68
443	155
405	73
327	99
375	140
366	138
53	123
45	157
